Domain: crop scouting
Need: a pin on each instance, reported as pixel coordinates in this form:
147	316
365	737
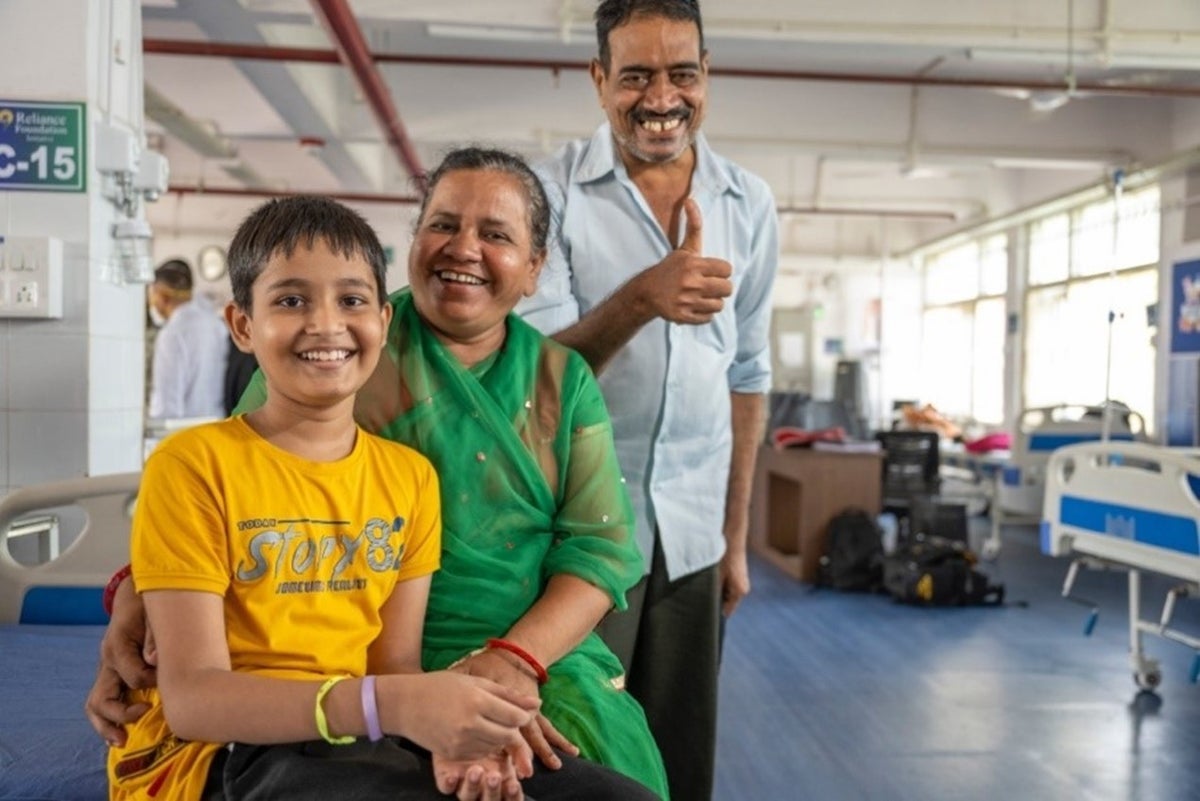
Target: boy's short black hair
615	13
283	224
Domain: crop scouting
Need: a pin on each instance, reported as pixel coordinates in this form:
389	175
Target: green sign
42	146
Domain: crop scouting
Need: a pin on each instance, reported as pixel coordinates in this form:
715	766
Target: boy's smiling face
316	325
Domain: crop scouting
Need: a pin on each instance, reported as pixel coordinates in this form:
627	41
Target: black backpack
853	557
932	571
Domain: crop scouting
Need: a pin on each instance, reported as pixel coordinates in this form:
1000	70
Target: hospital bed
1135	507
1014	480
48	634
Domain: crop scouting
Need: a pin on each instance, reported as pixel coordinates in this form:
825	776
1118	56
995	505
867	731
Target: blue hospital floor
825	697
831	696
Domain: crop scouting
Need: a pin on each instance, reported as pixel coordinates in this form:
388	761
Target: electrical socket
25	295
32	278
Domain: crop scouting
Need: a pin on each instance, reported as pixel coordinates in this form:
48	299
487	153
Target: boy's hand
491	779
461	717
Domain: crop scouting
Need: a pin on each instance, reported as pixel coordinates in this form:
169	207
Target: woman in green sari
537	528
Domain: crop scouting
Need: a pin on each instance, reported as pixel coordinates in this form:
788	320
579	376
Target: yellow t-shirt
304	554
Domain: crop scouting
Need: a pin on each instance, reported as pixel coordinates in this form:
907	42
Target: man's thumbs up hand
685	287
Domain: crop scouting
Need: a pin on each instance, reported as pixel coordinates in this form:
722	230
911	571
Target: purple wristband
371	709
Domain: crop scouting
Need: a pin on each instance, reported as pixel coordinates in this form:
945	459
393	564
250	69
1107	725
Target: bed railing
67	589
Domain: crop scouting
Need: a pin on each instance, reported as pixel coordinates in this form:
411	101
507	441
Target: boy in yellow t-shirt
285	559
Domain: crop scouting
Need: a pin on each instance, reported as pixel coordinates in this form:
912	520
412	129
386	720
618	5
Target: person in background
187	372
538	538
661	263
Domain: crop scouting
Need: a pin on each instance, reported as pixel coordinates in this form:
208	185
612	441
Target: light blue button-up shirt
668	389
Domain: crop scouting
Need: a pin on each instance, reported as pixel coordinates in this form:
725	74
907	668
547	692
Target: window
1097	259
962	352
1049	246
1067	342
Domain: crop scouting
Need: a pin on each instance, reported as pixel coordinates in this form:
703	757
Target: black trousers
669	640
389	770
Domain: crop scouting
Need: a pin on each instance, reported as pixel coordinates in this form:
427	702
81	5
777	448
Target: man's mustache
682	113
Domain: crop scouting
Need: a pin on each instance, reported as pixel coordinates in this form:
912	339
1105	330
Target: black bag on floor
938	572
853	559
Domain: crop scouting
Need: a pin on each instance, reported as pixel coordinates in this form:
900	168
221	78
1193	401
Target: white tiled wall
117	374
46	446
71	390
3	451
114	441
49	371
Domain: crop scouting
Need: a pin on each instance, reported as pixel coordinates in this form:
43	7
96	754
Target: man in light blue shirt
187	377
660	270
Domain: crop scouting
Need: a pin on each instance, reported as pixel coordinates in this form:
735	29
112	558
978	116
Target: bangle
370	706
319	714
110	589
526	657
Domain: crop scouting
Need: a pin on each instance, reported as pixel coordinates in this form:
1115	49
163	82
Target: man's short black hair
174	274
615	13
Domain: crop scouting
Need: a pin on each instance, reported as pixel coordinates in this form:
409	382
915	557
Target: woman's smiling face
472	259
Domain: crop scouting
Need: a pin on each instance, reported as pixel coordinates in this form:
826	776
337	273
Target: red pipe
193	48
341	25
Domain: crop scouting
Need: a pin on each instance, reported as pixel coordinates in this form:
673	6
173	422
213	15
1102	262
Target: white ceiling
862	134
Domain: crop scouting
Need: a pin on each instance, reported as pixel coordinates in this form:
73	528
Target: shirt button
481	457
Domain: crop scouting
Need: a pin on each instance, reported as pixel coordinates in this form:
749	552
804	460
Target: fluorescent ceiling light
577	34
1049	163
1162	61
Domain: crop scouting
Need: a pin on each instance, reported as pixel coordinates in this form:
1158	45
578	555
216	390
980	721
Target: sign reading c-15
42	146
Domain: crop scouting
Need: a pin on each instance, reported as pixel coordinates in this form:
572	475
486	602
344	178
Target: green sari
531	488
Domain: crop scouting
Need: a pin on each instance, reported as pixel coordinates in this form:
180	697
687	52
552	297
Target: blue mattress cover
48	749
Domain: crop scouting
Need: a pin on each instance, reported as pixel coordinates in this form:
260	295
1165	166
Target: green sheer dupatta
530	483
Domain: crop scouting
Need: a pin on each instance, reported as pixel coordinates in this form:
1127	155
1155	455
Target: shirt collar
710	176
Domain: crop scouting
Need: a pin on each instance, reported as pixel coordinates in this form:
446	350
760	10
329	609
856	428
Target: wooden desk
796	493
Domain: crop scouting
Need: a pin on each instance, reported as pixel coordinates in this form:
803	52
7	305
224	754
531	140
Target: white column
71	389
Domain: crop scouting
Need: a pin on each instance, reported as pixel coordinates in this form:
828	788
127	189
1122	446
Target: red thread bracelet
110	589
526	657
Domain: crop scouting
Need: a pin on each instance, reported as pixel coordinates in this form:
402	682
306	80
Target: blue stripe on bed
63	606
1049	442
1173	532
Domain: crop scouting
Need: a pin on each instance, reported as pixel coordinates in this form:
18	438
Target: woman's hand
511	672
459	716
127	659
493	778
543	738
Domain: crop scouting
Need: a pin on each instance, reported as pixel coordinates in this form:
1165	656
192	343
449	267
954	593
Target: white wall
392	222
71	400
872	307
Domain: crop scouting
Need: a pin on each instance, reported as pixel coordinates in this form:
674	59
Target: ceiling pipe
236	191
340	24
203	139
260	52
411	200
829	211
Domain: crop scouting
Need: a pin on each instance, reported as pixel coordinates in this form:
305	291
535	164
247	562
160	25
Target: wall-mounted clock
211	263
